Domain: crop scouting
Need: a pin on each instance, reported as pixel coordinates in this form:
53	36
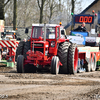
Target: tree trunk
2	9
73	6
51	12
72	11
41	10
15	15
41	15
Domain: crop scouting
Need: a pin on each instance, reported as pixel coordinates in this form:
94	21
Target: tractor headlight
52	43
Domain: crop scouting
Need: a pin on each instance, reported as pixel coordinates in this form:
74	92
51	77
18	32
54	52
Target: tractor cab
8	34
50	31
45	38
38	31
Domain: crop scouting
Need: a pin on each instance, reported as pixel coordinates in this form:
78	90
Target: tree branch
6	3
74	0
38	3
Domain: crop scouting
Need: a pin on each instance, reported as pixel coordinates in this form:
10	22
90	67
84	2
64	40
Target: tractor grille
38	44
39	49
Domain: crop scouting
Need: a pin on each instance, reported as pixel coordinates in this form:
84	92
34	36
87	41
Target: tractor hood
41	44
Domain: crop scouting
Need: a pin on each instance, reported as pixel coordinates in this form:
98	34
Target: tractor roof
47	25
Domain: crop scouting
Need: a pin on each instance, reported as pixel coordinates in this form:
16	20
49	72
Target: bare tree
8	12
78	6
1	9
73	5
28	13
41	6
2	5
52	5
15	15
39	11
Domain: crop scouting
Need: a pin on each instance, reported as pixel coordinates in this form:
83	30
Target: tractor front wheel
55	65
20	64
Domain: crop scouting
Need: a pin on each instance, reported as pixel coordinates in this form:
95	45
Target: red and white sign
17	42
9	43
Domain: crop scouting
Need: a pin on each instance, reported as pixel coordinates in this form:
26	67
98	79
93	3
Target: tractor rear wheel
62	54
55	65
93	63
72	59
27	47
87	65
20	64
19	50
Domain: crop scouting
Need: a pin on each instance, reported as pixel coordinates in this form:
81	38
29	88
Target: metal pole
60	9
44	31
0	36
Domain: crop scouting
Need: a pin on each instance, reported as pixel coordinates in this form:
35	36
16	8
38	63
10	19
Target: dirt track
44	86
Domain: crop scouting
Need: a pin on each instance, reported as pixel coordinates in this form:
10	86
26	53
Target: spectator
81	28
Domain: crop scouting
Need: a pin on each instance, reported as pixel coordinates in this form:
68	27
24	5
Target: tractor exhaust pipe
44	31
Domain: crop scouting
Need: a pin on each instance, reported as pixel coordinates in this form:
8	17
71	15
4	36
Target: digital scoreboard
88	19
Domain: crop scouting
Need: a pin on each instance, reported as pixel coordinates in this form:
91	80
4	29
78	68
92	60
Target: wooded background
22	13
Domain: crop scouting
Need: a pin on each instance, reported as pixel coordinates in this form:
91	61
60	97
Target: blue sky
86	3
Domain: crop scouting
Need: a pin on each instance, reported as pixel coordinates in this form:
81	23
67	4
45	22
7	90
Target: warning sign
1	25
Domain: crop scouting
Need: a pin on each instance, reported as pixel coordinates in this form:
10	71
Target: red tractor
47	48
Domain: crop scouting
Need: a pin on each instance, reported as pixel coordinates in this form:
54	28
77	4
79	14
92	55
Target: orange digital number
81	19
85	19
90	19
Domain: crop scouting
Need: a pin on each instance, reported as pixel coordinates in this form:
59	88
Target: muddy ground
45	86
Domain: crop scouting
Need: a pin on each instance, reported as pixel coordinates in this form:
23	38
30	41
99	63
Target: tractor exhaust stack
44	31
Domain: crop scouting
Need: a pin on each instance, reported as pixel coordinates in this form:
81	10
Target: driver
47	33
81	28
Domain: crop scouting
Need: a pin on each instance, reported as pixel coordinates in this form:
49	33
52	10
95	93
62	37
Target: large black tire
20	64
72	59
55	65
62	54
19	50
30	68
27	47
93	63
